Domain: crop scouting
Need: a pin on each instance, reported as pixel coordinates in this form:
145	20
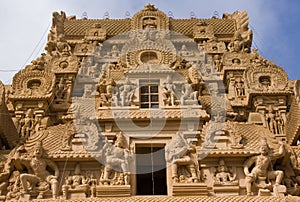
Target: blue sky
25	25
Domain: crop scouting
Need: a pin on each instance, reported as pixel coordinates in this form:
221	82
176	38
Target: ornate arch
33	84
150	17
267	77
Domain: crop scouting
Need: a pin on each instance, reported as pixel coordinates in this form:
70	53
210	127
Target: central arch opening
151	175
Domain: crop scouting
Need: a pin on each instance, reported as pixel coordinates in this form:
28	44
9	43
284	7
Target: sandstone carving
150	105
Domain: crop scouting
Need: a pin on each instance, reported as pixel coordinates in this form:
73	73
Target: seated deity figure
169	92
116	162
223	176
184	52
127	92
188	93
75	183
183	159
261	172
39	179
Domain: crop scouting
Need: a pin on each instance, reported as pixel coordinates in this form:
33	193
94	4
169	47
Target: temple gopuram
150	108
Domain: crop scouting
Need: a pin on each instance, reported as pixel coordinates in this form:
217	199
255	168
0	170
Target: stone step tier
189	189
113	191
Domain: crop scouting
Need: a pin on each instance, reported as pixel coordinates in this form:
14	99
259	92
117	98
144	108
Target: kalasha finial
150	7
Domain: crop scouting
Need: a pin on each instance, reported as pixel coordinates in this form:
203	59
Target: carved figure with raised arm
116	159
183	159
38	178
262	170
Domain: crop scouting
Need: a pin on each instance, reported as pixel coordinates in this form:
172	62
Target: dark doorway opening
151	171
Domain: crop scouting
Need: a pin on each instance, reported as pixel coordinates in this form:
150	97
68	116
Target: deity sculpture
27	124
188	93
183	158
38	179
271	121
261	172
169	90
218	62
76	183
223	176
239	87
127	92
116	160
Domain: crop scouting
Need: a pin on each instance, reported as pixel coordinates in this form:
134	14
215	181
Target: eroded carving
183	158
116	162
38	179
261	174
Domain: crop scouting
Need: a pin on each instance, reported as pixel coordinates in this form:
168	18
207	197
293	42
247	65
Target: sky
26	23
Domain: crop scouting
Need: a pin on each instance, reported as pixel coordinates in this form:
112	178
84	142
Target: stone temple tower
150	108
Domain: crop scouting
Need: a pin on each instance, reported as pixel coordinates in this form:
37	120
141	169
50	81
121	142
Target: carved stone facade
150	106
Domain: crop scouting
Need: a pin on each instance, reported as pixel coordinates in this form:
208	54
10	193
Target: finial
127	14
106	15
170	14
84	15
192	14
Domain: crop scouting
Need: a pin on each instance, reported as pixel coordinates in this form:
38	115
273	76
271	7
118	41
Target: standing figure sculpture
169	92
27	124
262	170
127	92
38	179
183	159
116	159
